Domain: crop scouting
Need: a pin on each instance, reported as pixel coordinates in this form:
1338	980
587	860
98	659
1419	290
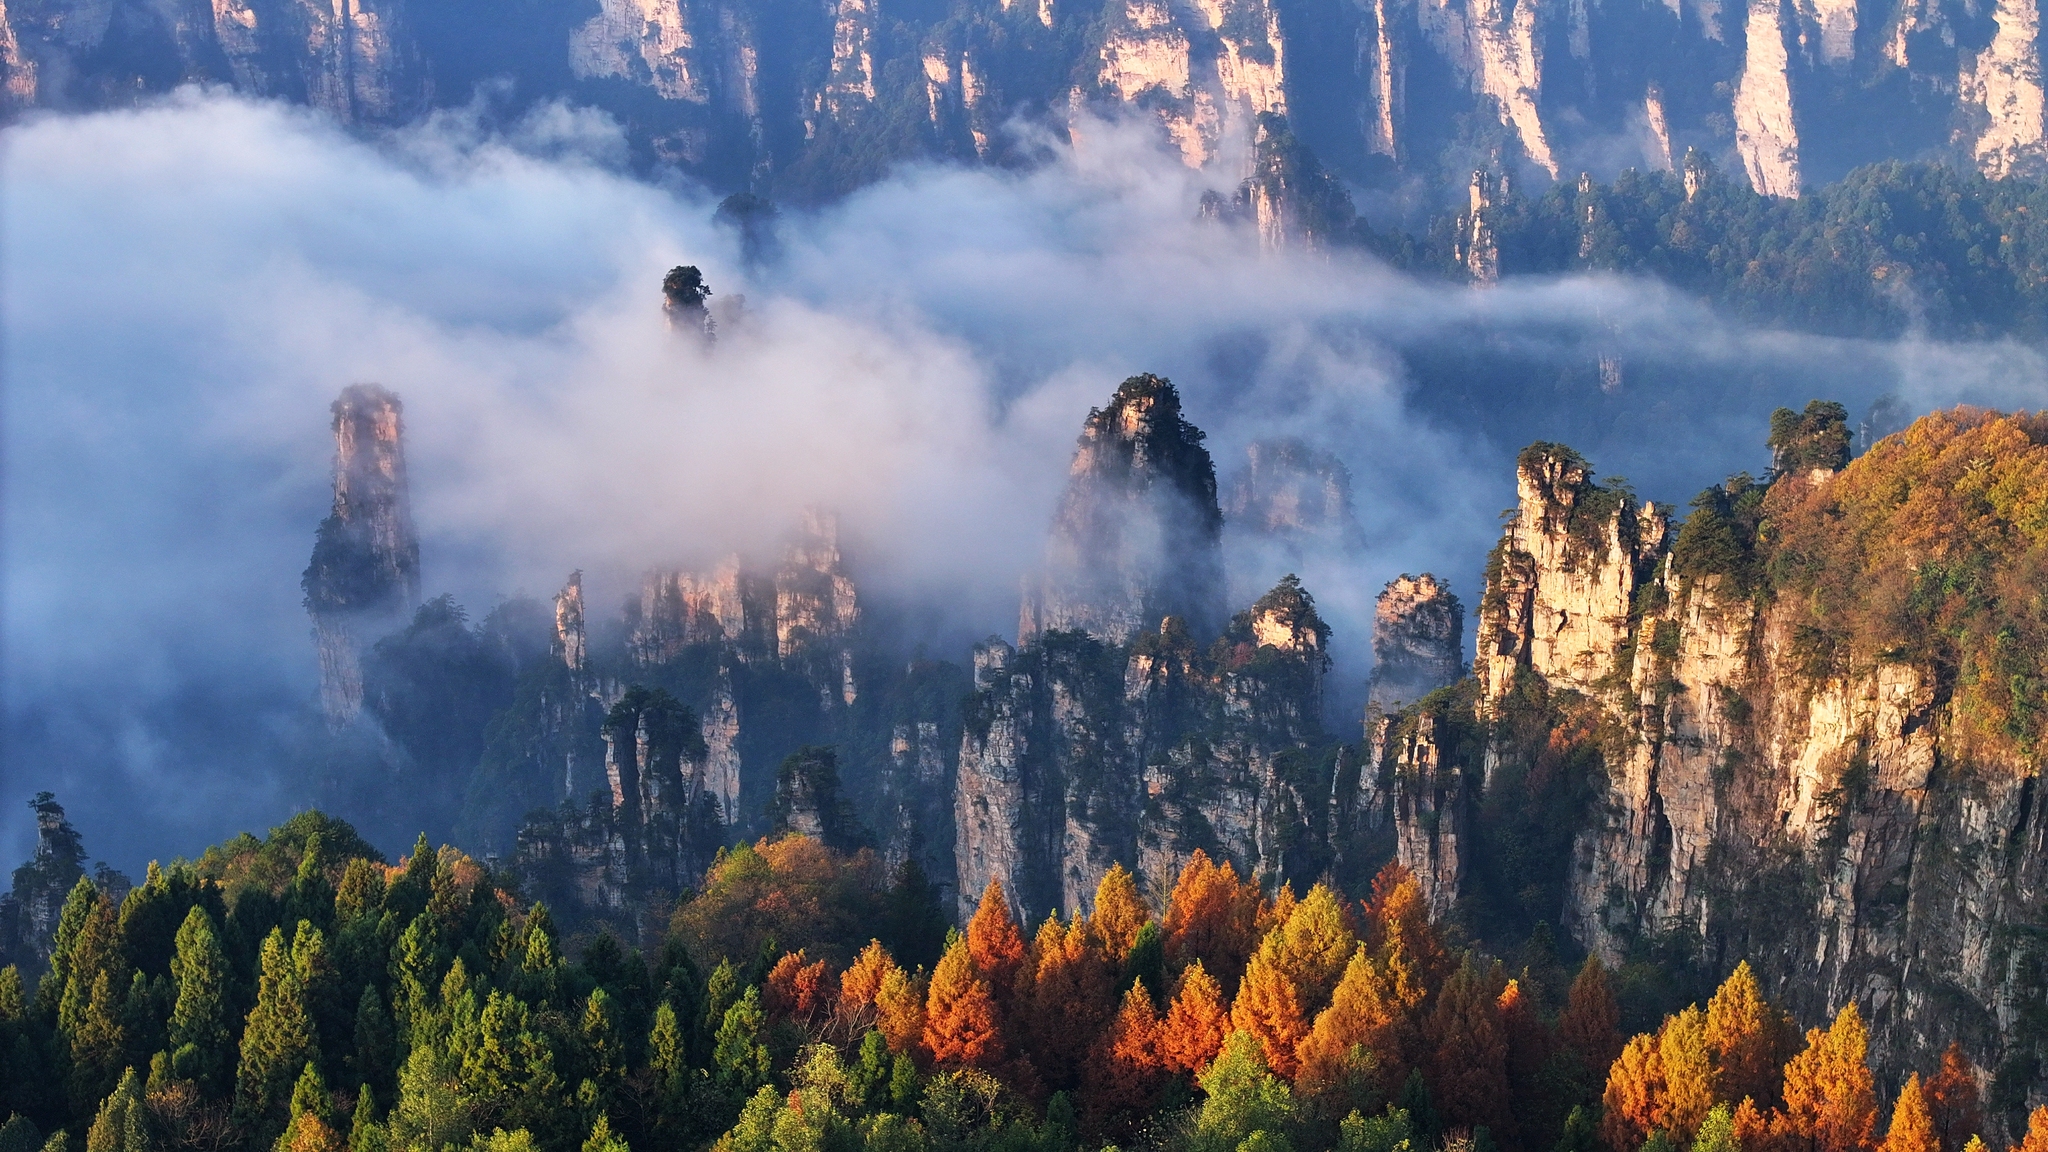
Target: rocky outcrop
30	909
1765	134
1477	249
1432	814
1496	50
1561	583
1208	71
1288	199
1137	536
1079	755
646	40
1418	641
2006	85
1826	817
364	578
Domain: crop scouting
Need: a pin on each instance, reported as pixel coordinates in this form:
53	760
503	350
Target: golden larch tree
1196	1024
1634	1095
1746	1035
1269	1008
1830	1095
2036	1139
1212	917
1314	946
960	1027
1912	1127
1359	1014
1119	912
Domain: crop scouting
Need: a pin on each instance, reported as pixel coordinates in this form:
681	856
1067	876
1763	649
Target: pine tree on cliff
1830	1095
1912	1127
1268	1008
1196	1024
1952	1098
1212	917
198	1030
960	1028
1590	1025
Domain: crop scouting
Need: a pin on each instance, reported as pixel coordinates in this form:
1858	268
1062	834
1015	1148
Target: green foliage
1816	438
1244	1100
122	1124
20	1134
1385	1133
738	1058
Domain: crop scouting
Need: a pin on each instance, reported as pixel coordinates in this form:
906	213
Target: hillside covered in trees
299	994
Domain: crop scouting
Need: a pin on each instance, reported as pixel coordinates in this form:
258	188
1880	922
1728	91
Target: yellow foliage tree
1314	946
1912	1127
1269	1008
1830	1095
1119	912
1360	1013
1745	1035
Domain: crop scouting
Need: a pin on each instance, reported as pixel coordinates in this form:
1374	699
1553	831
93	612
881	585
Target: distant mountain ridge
804	101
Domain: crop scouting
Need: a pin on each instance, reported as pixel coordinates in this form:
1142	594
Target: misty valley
1039	576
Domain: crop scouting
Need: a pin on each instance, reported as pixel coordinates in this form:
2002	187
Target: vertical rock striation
364	576
1418	641
1137	536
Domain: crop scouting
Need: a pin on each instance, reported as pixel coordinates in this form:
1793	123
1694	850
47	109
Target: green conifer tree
198	1037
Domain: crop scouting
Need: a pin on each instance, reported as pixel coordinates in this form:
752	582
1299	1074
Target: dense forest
297	993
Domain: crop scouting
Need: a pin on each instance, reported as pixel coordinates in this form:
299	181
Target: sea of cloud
187	284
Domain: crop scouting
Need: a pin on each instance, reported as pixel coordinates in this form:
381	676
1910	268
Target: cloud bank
188	284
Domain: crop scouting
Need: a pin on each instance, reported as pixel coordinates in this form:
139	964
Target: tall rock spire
1418	641
365	573
1138	533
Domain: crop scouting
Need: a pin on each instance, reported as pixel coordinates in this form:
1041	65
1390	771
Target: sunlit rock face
807	101
364	578
1834	825
1418	641
1137	536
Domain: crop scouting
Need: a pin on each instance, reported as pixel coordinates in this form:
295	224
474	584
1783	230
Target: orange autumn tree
1212	917
994	943
900	1010
1952	1098
854	1012
1634	1095
1912	1127
2036	1139
1398	919
1071	1000
960	1027
1268	1007
1746	1036
795	991
1196	1024
1830	1095
1126	1069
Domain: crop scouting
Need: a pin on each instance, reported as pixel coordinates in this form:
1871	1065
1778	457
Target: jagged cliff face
808	100
1137	536
1817	792
364	576
1078	755
1418	641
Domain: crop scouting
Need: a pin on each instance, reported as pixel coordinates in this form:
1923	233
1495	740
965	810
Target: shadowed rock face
1137	537
1418	641
364	577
